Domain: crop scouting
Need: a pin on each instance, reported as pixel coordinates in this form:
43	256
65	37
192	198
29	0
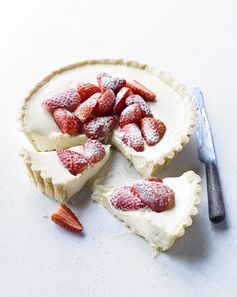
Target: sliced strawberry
105	103
121	98
68	99
152	130
106	82
141	90
93	151
131	114
154	179
65	218
73	161
131	136
98	128
66	121
155	195
125	198
86	90
146	112
84	110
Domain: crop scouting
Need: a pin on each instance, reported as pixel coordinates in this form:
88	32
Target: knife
208	157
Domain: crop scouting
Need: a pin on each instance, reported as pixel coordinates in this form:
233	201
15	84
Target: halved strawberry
106	82
131	114
65	218
121	98
98	128
125	198
105	103
86	90
68	99
146	111
141	90
93	151
73	161
131	136
152	130
66	121
84	110
155	195
154	179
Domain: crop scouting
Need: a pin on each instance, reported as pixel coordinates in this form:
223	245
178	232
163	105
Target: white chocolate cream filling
159	229
50	167
173	107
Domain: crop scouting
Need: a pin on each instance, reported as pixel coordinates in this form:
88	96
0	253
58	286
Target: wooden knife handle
215	199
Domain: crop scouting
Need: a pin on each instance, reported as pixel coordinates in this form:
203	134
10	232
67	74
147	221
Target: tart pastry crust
159	229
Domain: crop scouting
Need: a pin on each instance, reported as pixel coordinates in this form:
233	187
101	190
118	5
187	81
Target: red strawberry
68	99
105	103
152	130
125	198
86	90
141	90
131	136
65	218
66	121
131	114
98	128
146	112
155	195
84	110
73	161
121	98
93	151
154	179
106	82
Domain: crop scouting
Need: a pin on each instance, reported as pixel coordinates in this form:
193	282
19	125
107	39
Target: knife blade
207	155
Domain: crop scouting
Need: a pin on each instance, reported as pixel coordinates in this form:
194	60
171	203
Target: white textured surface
196	41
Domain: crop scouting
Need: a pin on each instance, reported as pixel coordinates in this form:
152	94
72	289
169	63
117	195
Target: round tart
173	106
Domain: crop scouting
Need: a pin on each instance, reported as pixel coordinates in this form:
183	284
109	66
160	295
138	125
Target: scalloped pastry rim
165	77
187	220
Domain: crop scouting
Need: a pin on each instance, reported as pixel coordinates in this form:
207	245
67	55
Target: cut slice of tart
61	174
91	97
158	210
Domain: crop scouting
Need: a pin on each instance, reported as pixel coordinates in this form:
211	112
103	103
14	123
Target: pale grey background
197	42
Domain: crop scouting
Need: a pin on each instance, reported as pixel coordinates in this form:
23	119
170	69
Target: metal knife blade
207	155
204	136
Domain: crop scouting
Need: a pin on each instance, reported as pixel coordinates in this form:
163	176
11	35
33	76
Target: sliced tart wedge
61	174
159	221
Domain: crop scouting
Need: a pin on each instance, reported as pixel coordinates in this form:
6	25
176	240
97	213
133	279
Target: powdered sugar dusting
131	136
94	151
146	111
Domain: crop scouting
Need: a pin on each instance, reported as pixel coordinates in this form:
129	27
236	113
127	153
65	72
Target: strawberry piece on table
152	130
86	90
131	114
146	111
93	151
68	99
120	101
66	219
131	136
98	128
106	82
141	90
155	195
105	103
154	179
66	121
84	111
73	161
125	198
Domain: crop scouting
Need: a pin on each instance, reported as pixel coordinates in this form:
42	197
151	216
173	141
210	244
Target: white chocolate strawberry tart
73	117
